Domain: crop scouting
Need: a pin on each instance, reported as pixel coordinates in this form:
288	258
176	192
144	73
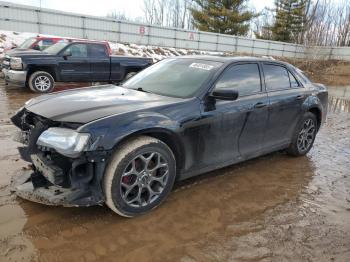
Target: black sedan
126	145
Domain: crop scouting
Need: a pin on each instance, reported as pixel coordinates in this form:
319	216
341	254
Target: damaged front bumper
24	187
59	180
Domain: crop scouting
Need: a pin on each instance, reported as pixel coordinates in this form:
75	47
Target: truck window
78	50
97	50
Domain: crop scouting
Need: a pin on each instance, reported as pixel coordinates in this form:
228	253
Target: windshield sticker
201	66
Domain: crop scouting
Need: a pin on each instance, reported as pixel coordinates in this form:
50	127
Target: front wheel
139	176
41	82
304	135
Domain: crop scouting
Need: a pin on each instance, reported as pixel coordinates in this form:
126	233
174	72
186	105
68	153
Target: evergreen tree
289	20
222	16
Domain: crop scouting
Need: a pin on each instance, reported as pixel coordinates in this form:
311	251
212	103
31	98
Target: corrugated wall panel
260	51
188	44
226	48
161	41
61	20
244	49
61	31
23	26
18	14
261	44
208	38
227	40
207	46
187	35
133	38
163	32
100	24
101	35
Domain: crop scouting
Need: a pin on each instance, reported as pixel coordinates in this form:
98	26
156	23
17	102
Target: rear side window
276	77
245	78
97	51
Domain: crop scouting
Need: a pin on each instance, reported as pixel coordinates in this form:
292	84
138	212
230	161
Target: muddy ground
274	208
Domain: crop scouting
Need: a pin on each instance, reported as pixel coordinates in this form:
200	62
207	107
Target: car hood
22	51
87	104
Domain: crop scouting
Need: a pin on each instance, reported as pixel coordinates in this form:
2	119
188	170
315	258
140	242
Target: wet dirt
273	208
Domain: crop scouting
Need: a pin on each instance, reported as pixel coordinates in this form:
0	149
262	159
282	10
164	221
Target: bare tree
174	13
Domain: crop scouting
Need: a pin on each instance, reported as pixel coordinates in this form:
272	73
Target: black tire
124	161
303	141
41	82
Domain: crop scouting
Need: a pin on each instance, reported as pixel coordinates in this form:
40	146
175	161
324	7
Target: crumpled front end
56	179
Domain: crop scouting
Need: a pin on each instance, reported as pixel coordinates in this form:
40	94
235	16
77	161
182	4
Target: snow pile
10	39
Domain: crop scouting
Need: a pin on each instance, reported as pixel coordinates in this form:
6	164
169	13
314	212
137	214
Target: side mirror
225	94
67	53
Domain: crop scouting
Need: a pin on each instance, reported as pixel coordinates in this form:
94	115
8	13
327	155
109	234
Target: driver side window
78	50
245	78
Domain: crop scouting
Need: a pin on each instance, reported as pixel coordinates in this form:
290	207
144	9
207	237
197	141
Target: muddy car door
235	129
286	96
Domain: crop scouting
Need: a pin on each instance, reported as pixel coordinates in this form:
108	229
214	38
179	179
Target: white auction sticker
202	66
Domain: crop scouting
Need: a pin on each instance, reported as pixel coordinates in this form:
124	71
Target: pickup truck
77	61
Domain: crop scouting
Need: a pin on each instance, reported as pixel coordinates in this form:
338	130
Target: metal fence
24	18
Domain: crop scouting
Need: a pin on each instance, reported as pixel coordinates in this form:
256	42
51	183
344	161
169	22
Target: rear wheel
139	176
304	135
41	82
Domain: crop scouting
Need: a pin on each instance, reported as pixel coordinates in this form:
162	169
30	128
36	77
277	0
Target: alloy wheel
306	135
144	179
42	83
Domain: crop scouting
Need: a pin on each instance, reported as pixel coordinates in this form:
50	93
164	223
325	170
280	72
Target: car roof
229	59
72	40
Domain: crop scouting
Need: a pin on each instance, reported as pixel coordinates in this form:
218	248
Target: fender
43	63
120	128
112	130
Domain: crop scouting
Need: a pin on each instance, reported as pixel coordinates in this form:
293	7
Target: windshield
56	48
174	77
27	43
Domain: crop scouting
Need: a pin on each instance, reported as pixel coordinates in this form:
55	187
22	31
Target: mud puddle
274	208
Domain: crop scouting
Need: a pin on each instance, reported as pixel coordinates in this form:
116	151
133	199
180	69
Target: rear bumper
15	77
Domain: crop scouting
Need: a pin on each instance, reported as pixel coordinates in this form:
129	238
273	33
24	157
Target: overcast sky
131	8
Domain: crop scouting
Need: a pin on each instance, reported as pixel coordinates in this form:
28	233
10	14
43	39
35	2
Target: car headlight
65	141
16	63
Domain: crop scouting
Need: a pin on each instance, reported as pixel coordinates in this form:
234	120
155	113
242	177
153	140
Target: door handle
299	97
260	105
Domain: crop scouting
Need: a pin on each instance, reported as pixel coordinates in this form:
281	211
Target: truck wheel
41	82
139	176
304	135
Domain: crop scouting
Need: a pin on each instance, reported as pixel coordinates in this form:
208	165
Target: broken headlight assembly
65	141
